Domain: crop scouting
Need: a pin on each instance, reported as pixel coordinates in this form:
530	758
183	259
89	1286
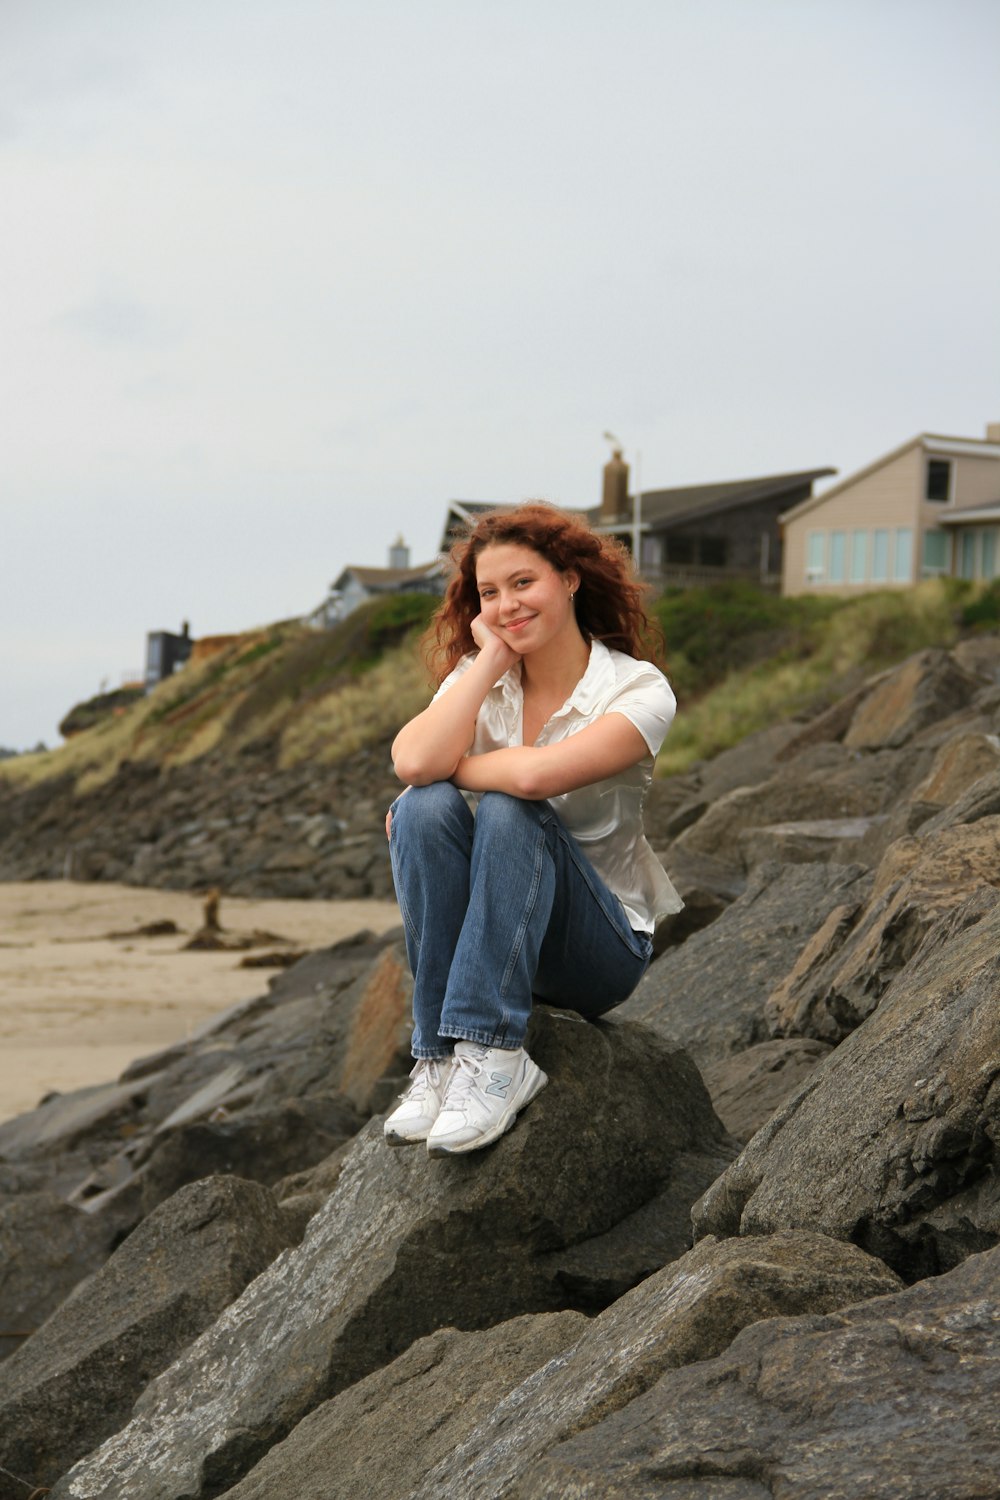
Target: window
815	556
902	560
652	551
859	556
989	552
680	549
938	479
712	551
967	554
838	549
880	556
935	553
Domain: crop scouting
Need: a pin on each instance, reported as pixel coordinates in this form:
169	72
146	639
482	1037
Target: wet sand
77	1006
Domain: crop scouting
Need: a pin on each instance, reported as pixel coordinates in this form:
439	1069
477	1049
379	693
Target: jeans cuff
487	1038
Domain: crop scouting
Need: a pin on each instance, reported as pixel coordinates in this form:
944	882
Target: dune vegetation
739	660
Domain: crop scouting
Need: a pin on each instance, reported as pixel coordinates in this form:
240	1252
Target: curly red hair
609	601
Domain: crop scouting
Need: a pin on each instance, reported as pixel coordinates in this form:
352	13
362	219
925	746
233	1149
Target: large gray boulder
893	1399
379	1439
75	1380
708	996
406	1244
892	1141
688	1312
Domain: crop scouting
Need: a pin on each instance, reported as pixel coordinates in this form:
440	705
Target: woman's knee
428	807
499	810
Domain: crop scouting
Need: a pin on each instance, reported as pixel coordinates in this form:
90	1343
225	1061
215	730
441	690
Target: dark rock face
407	1243
46	1246
75	1380
381	1437
708	996
892	1141
895	1399
688	1312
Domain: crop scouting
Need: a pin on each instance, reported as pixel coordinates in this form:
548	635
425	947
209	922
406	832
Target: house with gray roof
354	584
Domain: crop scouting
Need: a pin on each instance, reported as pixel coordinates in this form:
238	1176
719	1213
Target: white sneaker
486	1089
420	1103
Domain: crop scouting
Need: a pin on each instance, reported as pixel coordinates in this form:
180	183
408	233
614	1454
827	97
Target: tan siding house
928	508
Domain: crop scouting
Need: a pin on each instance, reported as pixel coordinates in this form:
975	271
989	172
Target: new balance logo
501	1083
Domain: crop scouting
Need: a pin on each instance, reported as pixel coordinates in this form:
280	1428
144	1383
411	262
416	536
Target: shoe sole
530	1088
404	1140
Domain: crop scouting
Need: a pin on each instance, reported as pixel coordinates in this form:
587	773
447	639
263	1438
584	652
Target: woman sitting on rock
547	714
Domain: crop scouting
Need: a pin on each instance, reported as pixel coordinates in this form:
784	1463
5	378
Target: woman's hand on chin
497	650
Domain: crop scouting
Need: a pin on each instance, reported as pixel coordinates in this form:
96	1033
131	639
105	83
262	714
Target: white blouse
606	817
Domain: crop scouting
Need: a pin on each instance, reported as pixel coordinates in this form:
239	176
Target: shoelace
426	1074
462	1081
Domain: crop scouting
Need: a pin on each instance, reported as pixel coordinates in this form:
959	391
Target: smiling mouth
517	624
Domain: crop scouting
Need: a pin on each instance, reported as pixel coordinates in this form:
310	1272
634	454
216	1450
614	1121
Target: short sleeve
647	701
456	672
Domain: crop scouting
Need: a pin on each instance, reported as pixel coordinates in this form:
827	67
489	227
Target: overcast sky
279	278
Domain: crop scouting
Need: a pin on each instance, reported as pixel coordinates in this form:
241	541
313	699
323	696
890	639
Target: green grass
780	665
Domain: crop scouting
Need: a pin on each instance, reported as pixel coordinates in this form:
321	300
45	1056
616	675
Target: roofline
971	516
929	441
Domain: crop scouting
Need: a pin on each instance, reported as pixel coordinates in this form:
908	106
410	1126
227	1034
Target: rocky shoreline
746	1244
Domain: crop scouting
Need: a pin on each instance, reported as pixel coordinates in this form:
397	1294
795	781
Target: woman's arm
431	745
610	745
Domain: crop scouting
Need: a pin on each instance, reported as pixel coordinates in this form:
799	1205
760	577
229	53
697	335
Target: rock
262	1144
843	972
708	996
46	1246
896	1397
892	1141
407	1244
706	885
785	799
74	1381
804	842
748	1087
926	688
687	1313
377	1440
958	765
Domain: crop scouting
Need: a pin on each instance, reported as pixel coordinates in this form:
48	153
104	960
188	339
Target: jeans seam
407	919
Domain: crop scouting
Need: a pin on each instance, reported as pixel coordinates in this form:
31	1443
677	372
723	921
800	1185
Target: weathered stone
892	1141
833	723
46	1246
979	655
959	763
785	799
708	996
927	687
407	1243
804	842
748	1087
377	1440
894	1399
687	1313
842	974
74	1381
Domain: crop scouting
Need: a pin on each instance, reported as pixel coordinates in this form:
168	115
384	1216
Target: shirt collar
584	697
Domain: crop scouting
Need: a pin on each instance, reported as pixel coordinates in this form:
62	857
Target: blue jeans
499	907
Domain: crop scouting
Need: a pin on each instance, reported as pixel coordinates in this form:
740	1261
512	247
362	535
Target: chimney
399	553
993	432
614	496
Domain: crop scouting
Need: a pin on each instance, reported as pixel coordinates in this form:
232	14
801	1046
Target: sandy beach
78	1005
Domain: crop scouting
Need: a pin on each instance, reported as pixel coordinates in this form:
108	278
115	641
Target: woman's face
523	597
